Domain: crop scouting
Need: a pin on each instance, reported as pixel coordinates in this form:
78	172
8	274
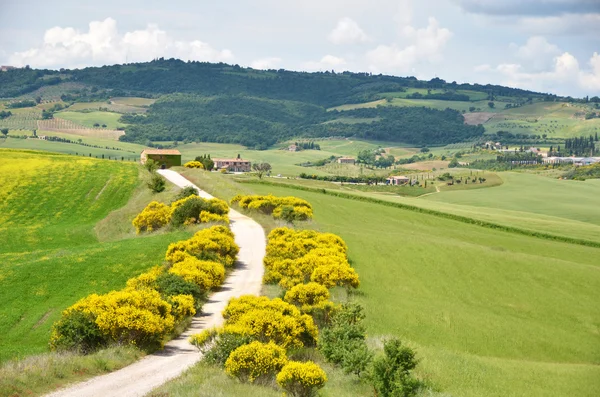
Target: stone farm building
166	158
346	160
232	165
397	180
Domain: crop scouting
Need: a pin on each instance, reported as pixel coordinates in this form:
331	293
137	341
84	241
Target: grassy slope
50	256
71	148
491	313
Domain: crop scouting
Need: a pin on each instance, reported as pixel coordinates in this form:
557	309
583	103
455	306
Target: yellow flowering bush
299	209
182	306
194	209
137	317
216	243
194	164
154	216
336	274
256	361
268	320
310	294
145	280
299	256
202	339
206	274
301	379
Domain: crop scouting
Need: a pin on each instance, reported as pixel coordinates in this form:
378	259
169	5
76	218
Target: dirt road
152	371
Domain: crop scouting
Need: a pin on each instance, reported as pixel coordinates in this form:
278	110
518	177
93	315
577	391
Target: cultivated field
88	119
70	127
51	254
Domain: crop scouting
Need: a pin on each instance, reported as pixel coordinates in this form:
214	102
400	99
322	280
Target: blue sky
544	45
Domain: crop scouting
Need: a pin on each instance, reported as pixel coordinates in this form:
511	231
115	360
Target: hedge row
459	218
188	210
146	312
287	208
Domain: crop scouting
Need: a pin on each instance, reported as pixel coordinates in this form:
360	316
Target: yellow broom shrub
154	216
182	306
301	379
216	243
145	280
335	274
256	361
194	164
136	317
310	294
268	320
273	205
206	274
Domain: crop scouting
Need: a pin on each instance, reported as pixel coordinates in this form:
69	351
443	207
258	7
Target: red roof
162	151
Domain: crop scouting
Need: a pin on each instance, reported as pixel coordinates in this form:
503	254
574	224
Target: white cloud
326	63
426	44
565	74
102	44
266	63
486	67
347	31
538	53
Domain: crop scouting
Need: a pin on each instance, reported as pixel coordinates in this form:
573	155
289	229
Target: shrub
391	373
154	216
216	243
169	284
301	379
205	274
182	306
223	345
256	361
136	317
194	209
151	165
157	183
335	274
194	164
307	295
287	208
268	320
186	192
147	279
343	341
202	339
77	331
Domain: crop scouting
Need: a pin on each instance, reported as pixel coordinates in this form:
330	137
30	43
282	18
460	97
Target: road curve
153	370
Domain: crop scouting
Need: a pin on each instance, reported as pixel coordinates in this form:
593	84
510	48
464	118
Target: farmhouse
232	165
293	148
5	68
346	160
165	158
397	180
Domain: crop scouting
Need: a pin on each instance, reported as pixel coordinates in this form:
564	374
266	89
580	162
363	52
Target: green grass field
51	254
72	148
88	119
490	313
133	101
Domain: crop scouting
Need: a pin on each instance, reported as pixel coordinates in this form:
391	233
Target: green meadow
490	313
60	242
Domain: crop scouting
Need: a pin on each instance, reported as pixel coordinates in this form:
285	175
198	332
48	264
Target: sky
543	45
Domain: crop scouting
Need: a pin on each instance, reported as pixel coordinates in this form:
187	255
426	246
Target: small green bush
186	192
169	284
157	183
189	209
77	331
391	374
223	346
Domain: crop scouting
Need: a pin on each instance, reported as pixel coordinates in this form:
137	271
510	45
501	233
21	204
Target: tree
491	104
261	169
4	132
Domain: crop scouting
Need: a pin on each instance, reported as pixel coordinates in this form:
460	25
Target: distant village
547	157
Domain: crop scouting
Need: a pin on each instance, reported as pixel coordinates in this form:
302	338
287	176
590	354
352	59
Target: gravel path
152	371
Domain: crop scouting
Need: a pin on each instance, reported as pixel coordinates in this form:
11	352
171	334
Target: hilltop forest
200	101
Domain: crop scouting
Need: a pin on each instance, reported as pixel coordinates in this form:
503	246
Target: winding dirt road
152	371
